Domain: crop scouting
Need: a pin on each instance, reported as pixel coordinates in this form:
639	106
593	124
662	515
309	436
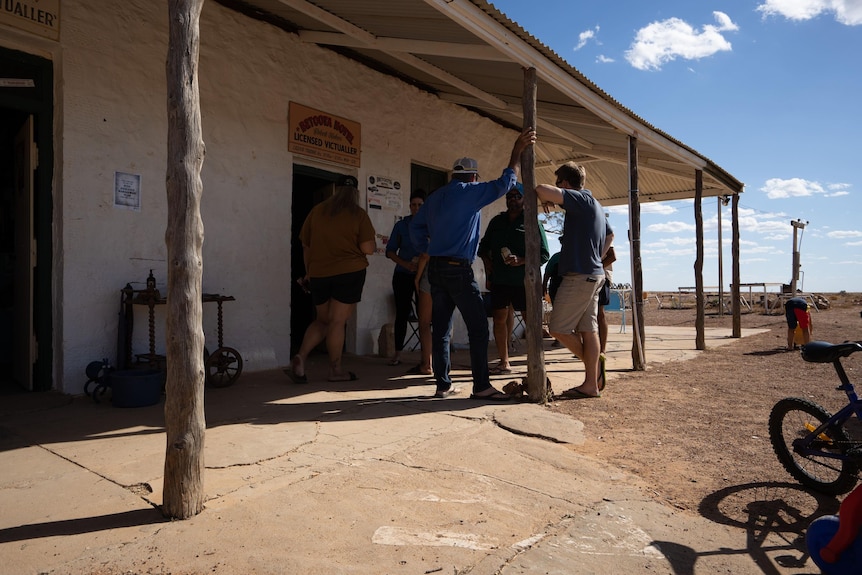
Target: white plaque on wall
127	191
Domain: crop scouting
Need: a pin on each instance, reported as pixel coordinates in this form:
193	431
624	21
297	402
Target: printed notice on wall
384	204
127	191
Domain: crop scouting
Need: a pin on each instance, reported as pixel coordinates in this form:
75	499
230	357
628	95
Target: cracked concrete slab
372	476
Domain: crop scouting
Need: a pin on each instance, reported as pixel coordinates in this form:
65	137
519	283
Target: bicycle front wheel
794	418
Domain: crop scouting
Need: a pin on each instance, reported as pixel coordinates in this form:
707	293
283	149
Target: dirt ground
696	431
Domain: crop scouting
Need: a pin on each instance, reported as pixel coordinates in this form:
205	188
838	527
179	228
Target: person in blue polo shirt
446	230
400	250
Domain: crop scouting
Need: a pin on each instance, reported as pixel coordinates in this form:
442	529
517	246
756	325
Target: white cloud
777	188
724	22
657	208
621	210
764	224
665	41
673	253
671	227
854	244
839	234
602	59
837	190
847	12
662	208
677	241
585	37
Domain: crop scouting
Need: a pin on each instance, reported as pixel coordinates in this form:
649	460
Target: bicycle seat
825	352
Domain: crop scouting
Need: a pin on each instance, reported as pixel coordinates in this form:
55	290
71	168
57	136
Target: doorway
26	204
310	187
427	179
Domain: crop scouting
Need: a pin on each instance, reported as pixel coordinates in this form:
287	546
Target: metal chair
411	342
618	304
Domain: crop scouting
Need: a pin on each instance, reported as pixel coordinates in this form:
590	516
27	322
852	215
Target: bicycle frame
854	407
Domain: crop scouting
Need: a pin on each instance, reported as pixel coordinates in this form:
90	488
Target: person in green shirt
503	251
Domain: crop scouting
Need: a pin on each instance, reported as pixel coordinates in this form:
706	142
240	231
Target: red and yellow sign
323	136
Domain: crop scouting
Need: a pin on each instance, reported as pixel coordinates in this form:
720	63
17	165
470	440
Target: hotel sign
40	17
323	136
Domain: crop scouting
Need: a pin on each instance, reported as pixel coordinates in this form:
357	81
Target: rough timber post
734	289
184	407
700	335
536	388
638	352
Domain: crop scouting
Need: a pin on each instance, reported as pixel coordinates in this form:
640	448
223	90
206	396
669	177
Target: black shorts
605	293
346	288
503	295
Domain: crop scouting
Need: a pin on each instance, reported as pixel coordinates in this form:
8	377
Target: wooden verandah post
700	335
734	251
536	388
185	424
638	351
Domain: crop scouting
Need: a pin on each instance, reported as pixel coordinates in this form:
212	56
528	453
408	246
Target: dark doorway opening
428	179
26	205
11	122
310	187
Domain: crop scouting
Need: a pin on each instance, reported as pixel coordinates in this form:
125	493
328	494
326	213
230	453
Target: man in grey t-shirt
585	240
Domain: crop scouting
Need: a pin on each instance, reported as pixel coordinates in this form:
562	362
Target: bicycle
813	445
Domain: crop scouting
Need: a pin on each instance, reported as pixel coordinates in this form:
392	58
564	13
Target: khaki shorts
577	304
424	284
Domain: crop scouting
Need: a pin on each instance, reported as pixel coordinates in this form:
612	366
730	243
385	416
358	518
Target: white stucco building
106	113
83	209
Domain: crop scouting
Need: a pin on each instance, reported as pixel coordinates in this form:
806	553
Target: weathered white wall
114	119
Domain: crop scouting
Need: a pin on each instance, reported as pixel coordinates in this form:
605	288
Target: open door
24	337
310	187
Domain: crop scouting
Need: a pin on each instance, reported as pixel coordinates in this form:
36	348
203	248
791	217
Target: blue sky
767	89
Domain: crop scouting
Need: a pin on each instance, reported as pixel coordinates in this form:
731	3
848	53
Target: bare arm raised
527	138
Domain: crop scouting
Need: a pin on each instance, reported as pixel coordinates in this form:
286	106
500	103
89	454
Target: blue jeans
453	285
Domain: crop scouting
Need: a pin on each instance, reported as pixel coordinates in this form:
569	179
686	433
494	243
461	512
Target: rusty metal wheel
223	367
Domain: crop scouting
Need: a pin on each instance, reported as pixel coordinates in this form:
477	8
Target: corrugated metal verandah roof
469	53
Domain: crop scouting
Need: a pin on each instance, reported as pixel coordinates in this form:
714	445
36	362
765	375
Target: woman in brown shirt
337	237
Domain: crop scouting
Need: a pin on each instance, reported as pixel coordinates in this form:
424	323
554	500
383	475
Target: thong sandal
576	393
496	396
350	377
290	372
394	362
497	370
294	377
416	370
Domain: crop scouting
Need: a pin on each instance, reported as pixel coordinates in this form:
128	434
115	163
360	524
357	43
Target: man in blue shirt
446	229
585	241
400	250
